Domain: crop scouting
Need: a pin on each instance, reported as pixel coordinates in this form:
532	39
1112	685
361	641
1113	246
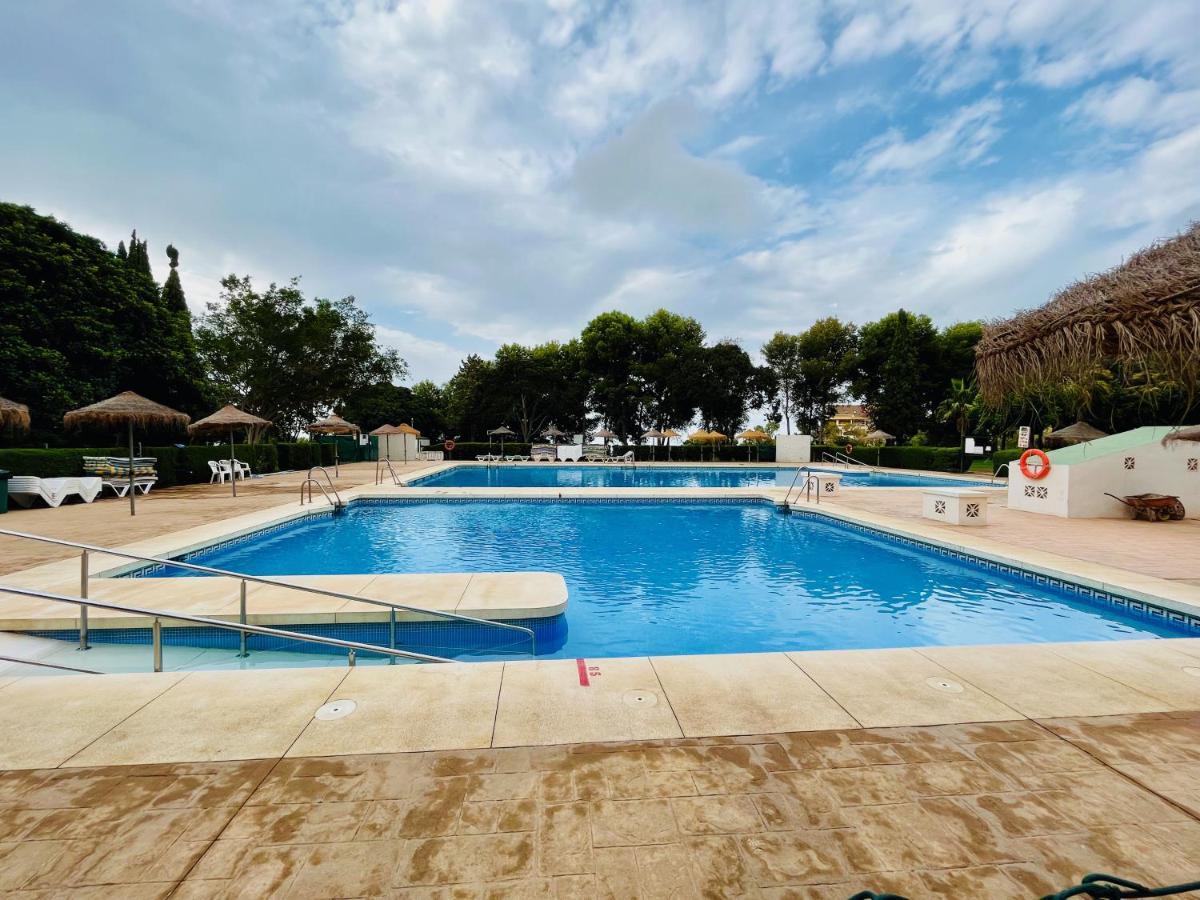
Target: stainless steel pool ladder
838	457
810	478
309	481
157	615
1002	467
380	465
256	579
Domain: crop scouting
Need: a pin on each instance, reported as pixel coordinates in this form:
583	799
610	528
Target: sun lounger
25	489
543	453
595	453
516	457
626	457
114	472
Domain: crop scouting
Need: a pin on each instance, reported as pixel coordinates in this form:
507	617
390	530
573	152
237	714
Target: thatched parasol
752	436
502	432
554	433
669	433
14	415
407	430
228	418
1146	310
653	435
879	436
1189	433
333	424
1078	433
126	409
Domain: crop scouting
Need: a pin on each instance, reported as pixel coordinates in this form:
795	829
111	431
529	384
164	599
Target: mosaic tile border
1126	604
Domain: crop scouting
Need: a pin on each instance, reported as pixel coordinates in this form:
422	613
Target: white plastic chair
218	472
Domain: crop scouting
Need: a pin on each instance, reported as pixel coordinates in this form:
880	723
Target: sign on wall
1023	437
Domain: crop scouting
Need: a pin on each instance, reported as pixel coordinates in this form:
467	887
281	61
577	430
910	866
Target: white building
1132	462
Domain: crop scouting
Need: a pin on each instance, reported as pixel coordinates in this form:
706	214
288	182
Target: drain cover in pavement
944	684
641	698
338	709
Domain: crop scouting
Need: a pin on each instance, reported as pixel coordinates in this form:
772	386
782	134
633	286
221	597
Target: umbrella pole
232	467
132	492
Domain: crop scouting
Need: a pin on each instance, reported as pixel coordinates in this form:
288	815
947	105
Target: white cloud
427	359
1138	103
961	138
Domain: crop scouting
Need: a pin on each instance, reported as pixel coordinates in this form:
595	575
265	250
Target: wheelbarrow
1152	507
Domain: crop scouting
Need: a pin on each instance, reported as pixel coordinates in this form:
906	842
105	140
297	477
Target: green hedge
175	465
999	457
299	456
65	463
933	459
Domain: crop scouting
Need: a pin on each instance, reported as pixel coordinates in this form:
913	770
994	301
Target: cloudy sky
481	172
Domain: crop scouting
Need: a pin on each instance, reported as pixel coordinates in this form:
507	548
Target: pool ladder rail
838	457
336	501
811	480
245	579
380	465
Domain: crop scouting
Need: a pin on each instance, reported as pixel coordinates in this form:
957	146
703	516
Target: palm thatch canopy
554	432
503	431
1190	433
653	434
671	433
753	434
1078	433
1145	311
402	428
14	415
605	434
332	424
227	418
126	408
386	429
880	436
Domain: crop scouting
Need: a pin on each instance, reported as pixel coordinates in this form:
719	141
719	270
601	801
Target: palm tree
959	406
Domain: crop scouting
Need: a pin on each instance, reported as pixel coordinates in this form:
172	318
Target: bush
999	457
300	456
934	459
64	463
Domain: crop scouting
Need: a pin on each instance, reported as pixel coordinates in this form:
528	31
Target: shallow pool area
594	475
682	577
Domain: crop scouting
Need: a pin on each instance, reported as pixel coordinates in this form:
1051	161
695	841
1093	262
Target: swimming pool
673	577
557	475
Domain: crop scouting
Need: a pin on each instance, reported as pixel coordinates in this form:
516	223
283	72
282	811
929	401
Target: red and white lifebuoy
849	449
449	445
1039	471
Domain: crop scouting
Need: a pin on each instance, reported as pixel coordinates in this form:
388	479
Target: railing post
156	640
242	651
83	593
392	633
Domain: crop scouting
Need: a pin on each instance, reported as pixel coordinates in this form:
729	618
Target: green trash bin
4	476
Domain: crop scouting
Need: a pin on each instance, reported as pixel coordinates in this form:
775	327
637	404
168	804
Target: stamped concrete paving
1011	809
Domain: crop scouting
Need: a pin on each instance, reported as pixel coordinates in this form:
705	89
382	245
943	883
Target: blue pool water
558	475
694	577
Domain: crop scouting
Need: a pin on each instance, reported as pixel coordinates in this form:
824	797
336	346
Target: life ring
1043	468
449	445
849	449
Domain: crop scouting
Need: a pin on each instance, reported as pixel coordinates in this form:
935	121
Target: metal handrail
838	457
46	665
352	647
996	474
309	482
332	487
259	579
810	478
379	472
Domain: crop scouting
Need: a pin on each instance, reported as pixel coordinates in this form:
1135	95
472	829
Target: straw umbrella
1079	433
406	430
716	437
701	437
14	415
668	434
126	409
753	436
502	432
879	437
385	431
554	433
333	424
227	418
652	435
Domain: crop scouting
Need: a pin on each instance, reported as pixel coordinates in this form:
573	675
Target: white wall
1077	490
391	446
793	448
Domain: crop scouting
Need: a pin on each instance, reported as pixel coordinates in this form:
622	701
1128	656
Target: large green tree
783	355
730	385
827	358
898	372
609	348
290	359
80	324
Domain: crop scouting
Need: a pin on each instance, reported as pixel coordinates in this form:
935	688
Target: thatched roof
332	424
386	429
126	408
880	435
1078	433
403	428
14	415
226	419
1146	310
754	434
503	431
1190	433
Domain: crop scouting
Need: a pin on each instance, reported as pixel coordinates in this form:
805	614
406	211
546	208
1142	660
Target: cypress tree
121	254
172	293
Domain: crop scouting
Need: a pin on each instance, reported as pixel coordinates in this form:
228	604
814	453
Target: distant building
850	417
